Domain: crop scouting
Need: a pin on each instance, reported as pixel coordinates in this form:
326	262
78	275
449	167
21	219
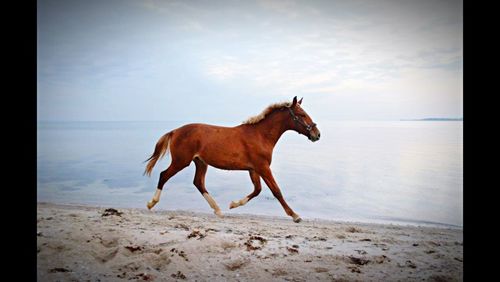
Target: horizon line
223	120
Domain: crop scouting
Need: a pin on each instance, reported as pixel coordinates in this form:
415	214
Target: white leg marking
235	204
243	201
156	199
213	204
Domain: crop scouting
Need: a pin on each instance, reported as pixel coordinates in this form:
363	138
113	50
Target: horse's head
302	122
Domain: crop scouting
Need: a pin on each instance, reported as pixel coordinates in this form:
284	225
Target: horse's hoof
219	214
150	205
297	219
233	205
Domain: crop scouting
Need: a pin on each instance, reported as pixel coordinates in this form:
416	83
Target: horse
248	146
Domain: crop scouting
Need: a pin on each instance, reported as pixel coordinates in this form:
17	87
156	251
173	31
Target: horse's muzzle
314	138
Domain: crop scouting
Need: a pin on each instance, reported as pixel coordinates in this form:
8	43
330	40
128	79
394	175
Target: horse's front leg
265	173
257	188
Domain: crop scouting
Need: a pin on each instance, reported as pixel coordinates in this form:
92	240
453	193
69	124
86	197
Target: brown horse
248	146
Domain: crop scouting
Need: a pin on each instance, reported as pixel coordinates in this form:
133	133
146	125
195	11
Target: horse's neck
272	127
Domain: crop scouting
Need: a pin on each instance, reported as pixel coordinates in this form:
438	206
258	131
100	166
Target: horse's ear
294	102
300	101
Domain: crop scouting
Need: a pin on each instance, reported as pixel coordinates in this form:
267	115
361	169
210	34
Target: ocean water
400	172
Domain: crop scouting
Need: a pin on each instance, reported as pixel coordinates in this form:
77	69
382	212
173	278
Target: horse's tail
161	149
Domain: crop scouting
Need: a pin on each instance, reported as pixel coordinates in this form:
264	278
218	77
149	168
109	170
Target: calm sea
402	172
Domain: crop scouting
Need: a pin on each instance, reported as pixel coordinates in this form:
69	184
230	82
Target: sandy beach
80	243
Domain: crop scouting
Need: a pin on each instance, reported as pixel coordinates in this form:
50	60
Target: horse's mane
266	111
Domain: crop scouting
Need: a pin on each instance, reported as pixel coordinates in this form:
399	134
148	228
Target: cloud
330	53
266	49
287	8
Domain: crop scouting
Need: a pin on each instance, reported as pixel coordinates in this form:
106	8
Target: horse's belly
229	165
224	158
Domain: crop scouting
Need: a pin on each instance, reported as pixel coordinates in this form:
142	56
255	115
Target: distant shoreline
434	119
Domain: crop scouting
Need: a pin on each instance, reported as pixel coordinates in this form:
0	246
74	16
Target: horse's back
219	146
204	131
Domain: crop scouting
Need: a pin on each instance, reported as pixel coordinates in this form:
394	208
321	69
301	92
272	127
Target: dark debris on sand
59	269
251	246
178	275
197	233
111	211
144	277
358	261
182	226
133	248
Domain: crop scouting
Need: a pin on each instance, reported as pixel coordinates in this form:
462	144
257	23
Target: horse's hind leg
199	182
257	188
165	175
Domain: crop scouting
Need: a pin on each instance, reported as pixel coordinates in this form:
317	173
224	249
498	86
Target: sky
223	61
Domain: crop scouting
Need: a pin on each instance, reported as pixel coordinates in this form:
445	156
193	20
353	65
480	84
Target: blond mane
266	111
